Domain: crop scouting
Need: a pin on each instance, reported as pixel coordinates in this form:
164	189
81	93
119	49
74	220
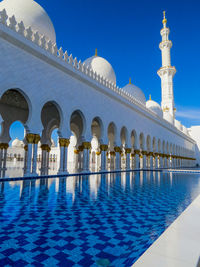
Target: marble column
128	151
137	159
151	161
5	147
160	161
156	161
30	140
35	149
67	142
118	157
86	156
62	145
103	149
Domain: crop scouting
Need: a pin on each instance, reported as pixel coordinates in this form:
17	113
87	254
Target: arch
112	132
51	116
97	128
134	141
78	124
148	143
124	136
14	106
167	148
154	144
159	145
142	142
163	146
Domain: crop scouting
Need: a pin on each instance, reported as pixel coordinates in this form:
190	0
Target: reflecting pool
96	220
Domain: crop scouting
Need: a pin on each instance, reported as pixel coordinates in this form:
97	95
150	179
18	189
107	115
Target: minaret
166	72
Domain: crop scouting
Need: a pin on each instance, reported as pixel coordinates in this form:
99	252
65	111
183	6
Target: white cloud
188	113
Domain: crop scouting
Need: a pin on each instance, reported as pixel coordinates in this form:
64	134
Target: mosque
100	126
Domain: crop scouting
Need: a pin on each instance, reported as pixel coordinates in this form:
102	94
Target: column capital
76	151
4	146
46	147
86	145
64	142
137	151
98	153
36	139
144	152
30	137
127	150
103	147
117	149
112	153
26	147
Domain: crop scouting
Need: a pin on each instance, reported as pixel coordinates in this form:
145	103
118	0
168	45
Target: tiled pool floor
97	220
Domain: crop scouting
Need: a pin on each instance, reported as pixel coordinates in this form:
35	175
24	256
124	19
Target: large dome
32	14
102	67
136	92
155	107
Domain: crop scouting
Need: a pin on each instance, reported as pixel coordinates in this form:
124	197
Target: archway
124	137
112	130
75	150
49	152
14	107
97	133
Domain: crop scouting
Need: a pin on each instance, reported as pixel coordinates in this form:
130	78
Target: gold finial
149	97
164	18
129	80
96	52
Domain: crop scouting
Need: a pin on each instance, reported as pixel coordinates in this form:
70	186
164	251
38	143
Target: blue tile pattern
96	220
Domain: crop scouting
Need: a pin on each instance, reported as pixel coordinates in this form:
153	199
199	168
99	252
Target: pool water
96	220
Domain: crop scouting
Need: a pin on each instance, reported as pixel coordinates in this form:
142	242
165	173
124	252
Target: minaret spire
166	72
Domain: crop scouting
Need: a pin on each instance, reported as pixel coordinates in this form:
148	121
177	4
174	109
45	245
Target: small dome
155	107
136	92
32	14
17	143
102	67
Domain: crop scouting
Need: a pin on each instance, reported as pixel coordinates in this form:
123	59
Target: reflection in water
97	215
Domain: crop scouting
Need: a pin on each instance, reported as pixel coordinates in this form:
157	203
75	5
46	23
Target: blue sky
127	34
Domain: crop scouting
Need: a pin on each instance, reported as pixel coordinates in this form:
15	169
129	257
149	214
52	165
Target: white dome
136	92
17	143
102	67
155	107
168	117
32	14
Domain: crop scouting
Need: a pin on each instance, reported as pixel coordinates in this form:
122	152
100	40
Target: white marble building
99	124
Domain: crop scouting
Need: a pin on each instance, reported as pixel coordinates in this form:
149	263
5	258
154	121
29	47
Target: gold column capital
137	151
46	147
64	142
117	149
98	153
76	151
144	152
4	146
112	153
36	139
86	145
103	147
30	137
26	147
128	150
